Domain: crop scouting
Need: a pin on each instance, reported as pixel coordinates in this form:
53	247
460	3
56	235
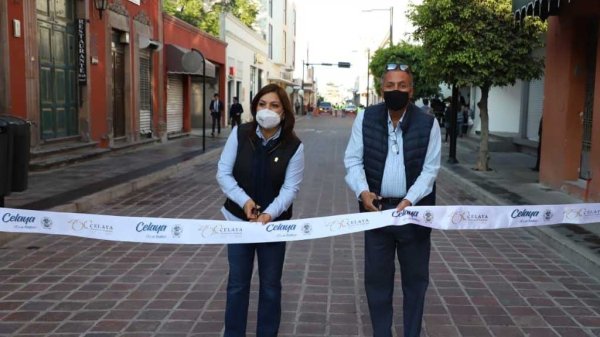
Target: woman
260	171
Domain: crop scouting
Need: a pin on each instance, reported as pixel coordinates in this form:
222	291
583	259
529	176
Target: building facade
570	148
277	24
187	88
246	62
81	75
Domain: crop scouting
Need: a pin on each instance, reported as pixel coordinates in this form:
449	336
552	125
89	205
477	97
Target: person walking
392	161
260	171
236	111
216	108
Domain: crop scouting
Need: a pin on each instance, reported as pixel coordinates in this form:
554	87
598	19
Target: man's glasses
396	66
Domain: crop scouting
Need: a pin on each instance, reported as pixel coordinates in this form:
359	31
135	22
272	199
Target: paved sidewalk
65	186
483	283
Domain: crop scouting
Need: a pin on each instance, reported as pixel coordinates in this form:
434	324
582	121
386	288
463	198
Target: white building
277	24
246	61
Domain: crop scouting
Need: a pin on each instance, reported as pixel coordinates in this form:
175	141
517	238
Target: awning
185	61
146	42
540	8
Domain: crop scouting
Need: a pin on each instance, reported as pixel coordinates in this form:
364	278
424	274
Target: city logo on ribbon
412	215
19	221
46	223
220	230
581	213
528	216
281	230
548	215
428	216
89	225
462	216
337	225
177	230
153	231
306	228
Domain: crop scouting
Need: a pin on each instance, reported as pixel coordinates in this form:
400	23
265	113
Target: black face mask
395	100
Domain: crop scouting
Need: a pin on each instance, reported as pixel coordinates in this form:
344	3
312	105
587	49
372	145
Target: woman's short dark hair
287	125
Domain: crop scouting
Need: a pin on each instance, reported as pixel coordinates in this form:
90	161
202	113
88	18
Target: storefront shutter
145	92
175	104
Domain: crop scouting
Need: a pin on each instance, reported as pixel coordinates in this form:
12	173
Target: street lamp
101	5
391	10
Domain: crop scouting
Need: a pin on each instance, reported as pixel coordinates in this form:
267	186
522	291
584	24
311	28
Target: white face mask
268	119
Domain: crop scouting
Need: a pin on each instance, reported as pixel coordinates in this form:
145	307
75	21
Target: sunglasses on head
396	66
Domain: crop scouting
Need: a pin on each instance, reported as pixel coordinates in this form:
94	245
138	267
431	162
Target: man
236	111
392	161
216	107
426	107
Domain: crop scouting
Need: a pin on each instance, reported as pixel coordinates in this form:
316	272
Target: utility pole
391	26
368	73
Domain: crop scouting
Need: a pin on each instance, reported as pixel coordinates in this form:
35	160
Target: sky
339	30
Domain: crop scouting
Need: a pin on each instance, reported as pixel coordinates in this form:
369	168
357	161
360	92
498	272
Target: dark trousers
236	120
411	244
270	266
216	121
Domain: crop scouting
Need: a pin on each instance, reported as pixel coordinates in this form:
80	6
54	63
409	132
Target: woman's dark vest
416	130
260	169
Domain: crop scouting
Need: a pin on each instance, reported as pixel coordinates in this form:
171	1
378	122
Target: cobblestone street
503	283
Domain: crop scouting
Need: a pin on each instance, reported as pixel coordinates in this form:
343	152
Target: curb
566	248
86	203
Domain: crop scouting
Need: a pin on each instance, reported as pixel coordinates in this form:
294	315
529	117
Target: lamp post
101	5
391	10
203	99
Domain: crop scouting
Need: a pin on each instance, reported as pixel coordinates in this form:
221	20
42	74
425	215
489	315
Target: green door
58	87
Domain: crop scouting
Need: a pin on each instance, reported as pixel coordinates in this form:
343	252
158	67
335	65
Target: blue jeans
411	243
270	266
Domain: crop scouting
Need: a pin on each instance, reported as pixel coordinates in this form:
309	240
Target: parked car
325	107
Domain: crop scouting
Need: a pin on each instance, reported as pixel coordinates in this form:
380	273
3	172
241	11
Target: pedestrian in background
236	111
260	171
392	161
216	107
539	147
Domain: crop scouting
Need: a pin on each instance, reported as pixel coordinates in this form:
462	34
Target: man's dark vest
260	169
416	130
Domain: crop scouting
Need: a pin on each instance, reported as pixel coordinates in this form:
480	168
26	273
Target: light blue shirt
229	186
393	184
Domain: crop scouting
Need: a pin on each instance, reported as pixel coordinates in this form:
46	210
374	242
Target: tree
409	54
478	42
205	14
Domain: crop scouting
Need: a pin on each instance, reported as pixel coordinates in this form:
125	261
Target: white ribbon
189	231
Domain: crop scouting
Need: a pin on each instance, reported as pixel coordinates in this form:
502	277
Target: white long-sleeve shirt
393	183
229	186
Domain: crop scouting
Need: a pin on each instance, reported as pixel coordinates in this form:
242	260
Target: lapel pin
276	159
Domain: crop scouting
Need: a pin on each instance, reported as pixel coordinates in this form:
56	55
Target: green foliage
245	10
205	14
414	57
477	42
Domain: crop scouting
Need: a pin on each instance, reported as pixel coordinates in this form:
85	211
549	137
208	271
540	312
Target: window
284	47
271	41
